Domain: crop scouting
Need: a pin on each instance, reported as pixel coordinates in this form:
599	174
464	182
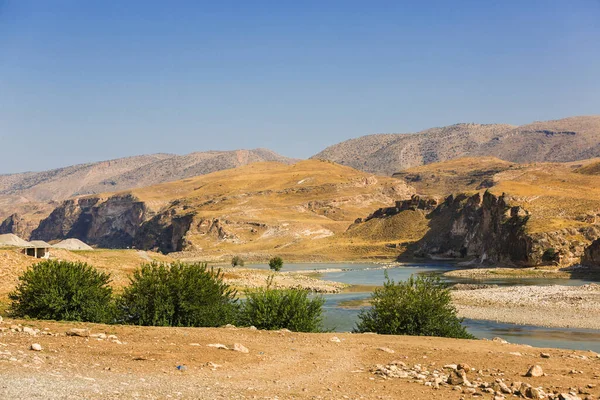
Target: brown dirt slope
272	208
144	363
562	140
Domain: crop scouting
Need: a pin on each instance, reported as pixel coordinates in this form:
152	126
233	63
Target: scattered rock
78	332
99	336
568	396
386	349
218	346
545	355
241	348
458	377
499	340
464	367
36	347
29	331
335	339
535	371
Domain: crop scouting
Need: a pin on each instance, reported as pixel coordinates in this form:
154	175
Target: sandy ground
553	306
247	278
279	365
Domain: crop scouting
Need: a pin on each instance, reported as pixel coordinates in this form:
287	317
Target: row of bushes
178	294
192	295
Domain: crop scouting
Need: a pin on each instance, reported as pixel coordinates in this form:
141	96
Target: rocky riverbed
551	306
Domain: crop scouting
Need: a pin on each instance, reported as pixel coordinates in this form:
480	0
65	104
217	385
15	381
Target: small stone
499	340
458	377
229	326
36	347
568	396
1	319
29	331
534	393
386	349
515	353
218	346
535	371
252	328
78	332
335	339
99	336
464	367
240	348
545	355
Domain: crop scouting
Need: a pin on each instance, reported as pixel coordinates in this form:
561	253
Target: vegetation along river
341	316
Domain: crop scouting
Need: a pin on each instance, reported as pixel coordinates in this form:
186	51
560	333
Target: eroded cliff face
112	222
490	230
18	225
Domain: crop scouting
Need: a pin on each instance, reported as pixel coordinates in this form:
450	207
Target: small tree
276	263
293	309
237	261
178	295
61	290
420	306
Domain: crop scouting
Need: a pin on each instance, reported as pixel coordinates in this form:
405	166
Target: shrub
61	290
178	295
276	263
237	261
293	309
420	306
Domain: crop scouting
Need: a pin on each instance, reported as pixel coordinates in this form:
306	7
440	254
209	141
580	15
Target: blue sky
93	80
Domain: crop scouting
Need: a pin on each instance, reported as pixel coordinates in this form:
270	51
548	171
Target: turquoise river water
341	319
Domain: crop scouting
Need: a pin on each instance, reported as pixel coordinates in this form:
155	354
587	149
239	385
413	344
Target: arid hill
32	195
255	211
564	140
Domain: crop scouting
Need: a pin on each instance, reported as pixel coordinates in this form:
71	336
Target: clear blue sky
92	80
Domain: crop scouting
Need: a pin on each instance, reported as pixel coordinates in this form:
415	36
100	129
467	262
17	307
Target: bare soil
279	365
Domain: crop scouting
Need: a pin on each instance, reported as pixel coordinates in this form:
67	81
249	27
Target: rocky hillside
563	140
126	173
255	210
516	214
32	195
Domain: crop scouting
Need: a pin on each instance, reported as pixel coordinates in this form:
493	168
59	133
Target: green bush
61	290
178	295
293	309
237	261
276	263
420	306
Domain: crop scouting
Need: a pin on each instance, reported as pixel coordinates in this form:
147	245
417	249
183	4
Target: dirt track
280	365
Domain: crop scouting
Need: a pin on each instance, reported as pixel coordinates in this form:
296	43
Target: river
343	319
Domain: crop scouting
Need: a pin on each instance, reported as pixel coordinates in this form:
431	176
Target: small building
38	249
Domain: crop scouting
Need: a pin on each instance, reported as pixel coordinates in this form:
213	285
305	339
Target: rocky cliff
107	222
488	229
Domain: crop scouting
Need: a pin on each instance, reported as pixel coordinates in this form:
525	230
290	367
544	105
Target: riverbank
185	363
247	278
549	306
494	273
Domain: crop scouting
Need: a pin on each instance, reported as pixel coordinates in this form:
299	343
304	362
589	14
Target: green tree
276	263
178	295
237	261
420	306
293	309
61	290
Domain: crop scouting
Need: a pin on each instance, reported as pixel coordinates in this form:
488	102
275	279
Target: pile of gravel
72	244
